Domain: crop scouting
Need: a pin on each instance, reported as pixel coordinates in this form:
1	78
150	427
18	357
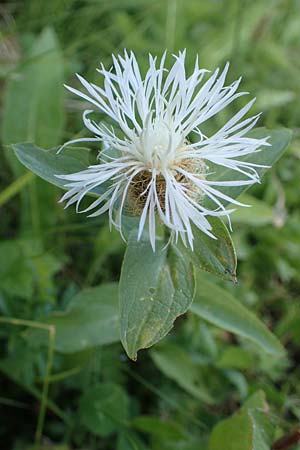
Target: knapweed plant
166	182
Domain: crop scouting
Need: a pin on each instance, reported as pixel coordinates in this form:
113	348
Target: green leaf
259	214
279	140
155	288
104	408
219	307
234	357
236	432
163	429
248	429
216	256
92	319
46	164
33	99
178	365
258	401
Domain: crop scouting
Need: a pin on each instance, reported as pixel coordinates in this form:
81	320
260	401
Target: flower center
139	188
158	144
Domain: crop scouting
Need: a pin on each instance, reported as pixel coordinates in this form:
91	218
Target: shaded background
48	255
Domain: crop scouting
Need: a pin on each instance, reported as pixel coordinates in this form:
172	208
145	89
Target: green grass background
47	255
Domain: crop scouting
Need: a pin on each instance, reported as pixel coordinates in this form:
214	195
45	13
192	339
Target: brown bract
139	188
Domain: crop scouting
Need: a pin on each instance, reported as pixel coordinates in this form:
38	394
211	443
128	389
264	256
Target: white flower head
154	170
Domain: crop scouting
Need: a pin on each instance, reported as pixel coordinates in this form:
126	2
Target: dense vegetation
203	387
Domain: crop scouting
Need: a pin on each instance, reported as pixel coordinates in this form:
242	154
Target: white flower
154	170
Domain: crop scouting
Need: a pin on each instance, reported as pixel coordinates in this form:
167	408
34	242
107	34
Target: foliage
221	378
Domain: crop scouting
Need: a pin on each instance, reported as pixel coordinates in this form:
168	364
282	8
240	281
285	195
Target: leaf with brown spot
155	288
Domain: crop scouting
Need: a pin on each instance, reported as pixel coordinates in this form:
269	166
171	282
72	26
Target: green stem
171	24
62	375
43	407
35	210
15	187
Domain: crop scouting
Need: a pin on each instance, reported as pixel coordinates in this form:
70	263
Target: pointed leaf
219	307
216	256
48	163
178	365
250	428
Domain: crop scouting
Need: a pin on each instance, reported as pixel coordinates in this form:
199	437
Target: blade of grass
15	187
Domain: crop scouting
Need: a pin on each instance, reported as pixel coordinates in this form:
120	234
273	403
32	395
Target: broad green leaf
155	288
47	163
178	365
237	432
279	140
33	99
219	307
216	256
104	408
250	428
91	320
259	214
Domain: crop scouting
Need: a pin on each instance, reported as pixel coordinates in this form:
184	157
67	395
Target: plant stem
43	407
15	187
